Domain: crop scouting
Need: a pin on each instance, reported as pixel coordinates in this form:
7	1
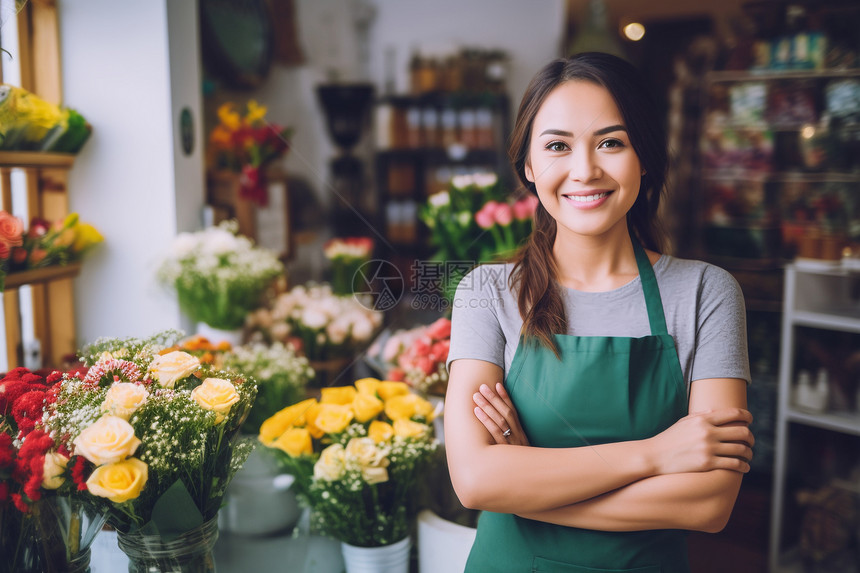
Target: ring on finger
506	433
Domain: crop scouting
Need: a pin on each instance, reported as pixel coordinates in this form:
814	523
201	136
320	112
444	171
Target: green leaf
174	513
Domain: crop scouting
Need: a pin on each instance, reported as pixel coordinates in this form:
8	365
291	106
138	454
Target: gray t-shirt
704	309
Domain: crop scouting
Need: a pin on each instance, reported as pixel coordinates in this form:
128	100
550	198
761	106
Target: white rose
124	398
485	180
173	366
330	466
219	242
280	331
313	318
461	181
363	451
109	439
337	332
440	199
53	469
183	245
362	328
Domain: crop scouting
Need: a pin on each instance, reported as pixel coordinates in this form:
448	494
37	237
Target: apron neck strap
656	316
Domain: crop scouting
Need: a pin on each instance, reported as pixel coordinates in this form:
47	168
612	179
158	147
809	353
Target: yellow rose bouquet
151	433
359	454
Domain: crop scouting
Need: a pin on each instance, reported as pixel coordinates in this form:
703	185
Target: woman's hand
704	441
496	412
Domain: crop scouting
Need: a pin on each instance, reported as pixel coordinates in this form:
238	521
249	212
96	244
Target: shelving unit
820	299
45	183
744	208
424	144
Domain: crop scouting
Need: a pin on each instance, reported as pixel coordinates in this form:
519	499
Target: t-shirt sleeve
721	338
475	328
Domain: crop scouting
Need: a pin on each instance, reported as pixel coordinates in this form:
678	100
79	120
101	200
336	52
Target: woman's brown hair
534	276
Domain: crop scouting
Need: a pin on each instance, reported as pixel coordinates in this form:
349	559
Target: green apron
605	389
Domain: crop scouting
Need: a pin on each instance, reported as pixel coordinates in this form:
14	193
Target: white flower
440	199
362	328
331	465
461	181
183	245
485	180
313	318
218	242
337	331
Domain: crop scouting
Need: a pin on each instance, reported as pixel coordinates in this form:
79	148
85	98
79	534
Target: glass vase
190	552
54	536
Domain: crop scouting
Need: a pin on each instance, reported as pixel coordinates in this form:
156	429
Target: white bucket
216	335
392	558
443	546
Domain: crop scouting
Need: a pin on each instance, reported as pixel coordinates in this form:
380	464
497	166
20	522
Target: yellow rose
217	395
380	431
173	366
333	418
366	407
109	439
388	389
400	407
295	441
124	398
406	406
53	469
284	419
337	395
423	408
119	481
367	386
409	429
330	466
311	417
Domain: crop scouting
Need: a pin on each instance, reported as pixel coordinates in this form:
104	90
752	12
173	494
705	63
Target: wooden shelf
36	159
18	279
844	422
751	75
780	176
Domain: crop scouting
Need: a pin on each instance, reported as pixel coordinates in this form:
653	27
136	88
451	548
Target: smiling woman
574	403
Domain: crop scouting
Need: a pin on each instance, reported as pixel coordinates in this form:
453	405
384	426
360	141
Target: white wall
531	32
130	67
127	180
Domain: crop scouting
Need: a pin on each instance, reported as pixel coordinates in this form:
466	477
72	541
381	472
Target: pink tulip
439	329
525	207
503	214
484	217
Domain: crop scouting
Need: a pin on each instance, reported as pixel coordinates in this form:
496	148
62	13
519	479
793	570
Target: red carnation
7	451
78	468
54	377
16	373
27	410
20	503
10	391
31	378
30	466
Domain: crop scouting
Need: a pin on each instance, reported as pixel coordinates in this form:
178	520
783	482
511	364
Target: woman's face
581	162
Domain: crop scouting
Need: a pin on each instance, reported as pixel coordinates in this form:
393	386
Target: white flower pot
438	422
392	558
443	545
216	335
259	500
